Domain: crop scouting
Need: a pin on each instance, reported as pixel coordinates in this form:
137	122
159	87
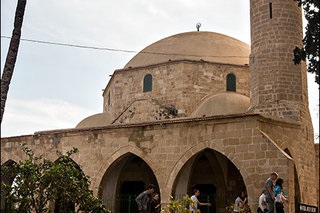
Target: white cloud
29	116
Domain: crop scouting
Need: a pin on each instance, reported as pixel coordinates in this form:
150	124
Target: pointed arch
197	149
117	156
297	194
61	204
215	175
123	179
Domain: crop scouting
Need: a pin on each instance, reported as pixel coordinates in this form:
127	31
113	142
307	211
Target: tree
12	54
310	49
39	182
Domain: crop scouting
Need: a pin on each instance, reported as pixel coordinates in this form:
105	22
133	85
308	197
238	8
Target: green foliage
39	181
311	40
243	209
178	206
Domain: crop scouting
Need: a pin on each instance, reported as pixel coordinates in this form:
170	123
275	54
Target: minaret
278	86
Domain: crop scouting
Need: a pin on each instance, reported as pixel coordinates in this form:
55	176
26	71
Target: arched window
147	83
231	82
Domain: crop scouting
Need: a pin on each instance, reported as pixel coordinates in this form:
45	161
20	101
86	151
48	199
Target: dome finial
198	25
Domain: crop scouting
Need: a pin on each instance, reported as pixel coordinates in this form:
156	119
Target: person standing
269	191
193	207
263	207
155	204
143	199
279	197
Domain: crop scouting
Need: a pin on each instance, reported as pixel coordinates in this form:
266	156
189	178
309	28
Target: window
147	83
231	82
109	100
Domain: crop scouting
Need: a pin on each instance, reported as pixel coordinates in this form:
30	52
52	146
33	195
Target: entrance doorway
124	180
216	177
129	190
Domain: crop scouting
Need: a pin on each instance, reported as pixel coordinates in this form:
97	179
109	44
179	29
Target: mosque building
199	110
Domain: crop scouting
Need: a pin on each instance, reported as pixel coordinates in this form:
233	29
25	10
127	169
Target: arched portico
96	183
124	179
214	145
214	175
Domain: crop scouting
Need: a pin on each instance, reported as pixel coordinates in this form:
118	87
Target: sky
56	86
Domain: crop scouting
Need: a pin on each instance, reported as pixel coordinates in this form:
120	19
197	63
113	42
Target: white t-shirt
280	198
194	207
262	201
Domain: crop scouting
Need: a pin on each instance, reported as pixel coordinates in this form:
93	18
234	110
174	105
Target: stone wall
182	84
278	86
238	138
296	141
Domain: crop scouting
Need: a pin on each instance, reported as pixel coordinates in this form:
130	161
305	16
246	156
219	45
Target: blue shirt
269	182
277	190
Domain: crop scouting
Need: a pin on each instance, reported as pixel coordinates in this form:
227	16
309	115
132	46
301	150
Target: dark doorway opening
216	177
124	180
207	195
129	190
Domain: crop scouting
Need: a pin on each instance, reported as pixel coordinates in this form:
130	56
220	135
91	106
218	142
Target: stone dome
197	45
223	104
100	119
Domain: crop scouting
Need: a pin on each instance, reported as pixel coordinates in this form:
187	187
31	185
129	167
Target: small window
147	83
231	82
270	10
109	99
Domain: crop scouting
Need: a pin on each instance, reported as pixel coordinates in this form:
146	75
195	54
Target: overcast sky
55	87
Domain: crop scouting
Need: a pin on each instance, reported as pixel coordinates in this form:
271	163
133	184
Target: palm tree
12	54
